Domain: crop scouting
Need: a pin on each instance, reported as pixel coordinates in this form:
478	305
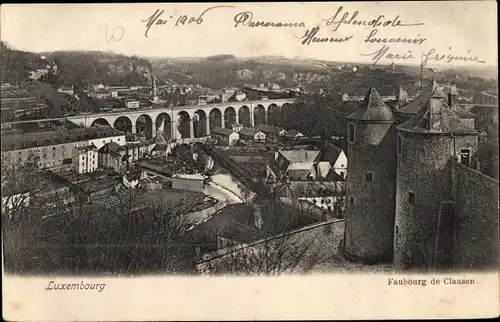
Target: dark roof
268	129
86	148
221	131
435	116
292	133
46	138
433	87
333	176
463	113
372	108
330	152
414	105
248	131
110	147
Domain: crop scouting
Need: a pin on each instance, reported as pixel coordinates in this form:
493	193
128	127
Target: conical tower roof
435	116
372	109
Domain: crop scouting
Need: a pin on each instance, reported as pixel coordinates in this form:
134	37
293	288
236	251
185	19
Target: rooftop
330	152
221	131
248	131
432	88
39	139
435	116
300	156
86	148
111	148
292	134
372	108
268	129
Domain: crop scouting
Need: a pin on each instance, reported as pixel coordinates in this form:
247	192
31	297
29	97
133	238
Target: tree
317	115
65	231
280	249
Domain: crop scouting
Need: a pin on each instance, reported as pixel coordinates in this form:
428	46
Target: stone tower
371	182
425	145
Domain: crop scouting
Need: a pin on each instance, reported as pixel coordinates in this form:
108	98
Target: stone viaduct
188	121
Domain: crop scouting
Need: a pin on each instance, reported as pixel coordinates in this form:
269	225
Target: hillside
100	67
79	68
16	64
223	70
75	67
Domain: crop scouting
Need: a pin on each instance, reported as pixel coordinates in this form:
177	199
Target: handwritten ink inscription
315	35
115	34
383	52
157	19
432	54
380	21
245	18
310	37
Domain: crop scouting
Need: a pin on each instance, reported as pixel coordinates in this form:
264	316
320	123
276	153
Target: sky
463	26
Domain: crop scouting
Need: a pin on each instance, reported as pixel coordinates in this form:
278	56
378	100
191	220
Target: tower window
399	144
369	176
352	134
351	201
465	157
411	198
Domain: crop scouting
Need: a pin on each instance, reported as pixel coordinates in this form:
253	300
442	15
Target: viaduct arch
189	121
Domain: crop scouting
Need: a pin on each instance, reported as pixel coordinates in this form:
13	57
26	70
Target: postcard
249	161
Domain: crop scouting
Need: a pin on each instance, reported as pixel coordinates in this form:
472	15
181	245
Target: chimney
435	110
453	97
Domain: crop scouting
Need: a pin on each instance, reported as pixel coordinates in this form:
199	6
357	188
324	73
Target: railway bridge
195	121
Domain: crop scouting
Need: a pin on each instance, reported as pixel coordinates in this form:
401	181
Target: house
143	93
138	150
292	135
293	165
272	132
189	182
237	127
225	136
66	89
225	96
113	156
55	147
132	104
332	158
85	159
135	137
240	96
326	164
249	135
207	98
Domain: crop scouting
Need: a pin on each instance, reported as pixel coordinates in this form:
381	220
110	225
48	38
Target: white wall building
85	159
132	104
